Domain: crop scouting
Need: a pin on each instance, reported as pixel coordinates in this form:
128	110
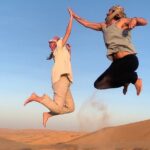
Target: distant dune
31	139
135	136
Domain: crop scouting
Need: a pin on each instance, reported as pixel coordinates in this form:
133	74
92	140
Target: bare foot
138	86
125	89
46	116
32	98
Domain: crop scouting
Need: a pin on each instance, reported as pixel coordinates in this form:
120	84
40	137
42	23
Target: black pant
120	72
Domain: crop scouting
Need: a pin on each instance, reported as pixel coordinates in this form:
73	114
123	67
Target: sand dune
6	144
40	137
135	136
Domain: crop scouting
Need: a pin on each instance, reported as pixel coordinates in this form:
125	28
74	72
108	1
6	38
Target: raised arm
68	30
87	24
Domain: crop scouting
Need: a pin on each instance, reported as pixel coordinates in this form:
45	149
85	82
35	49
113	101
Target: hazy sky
27	25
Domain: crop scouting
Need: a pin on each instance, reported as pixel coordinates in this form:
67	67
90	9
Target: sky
27	25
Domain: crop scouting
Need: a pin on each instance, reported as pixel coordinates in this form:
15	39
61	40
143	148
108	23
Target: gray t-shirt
117	39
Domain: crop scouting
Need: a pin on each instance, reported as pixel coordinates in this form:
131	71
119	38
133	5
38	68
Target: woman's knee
96	85
103	84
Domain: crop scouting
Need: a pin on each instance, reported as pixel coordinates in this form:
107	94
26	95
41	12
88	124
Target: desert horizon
102	115
132	136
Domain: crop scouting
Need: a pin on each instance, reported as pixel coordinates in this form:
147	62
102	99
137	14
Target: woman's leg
33	98
104	81
55	106
67	108
120	73
69	103
60	91
46	116
125	88
125	73
138	86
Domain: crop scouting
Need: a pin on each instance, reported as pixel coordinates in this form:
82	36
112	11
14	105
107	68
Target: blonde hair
117	11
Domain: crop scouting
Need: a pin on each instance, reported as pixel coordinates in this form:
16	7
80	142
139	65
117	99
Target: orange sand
135	136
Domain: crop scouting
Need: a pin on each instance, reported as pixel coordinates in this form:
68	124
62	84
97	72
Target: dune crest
131	136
